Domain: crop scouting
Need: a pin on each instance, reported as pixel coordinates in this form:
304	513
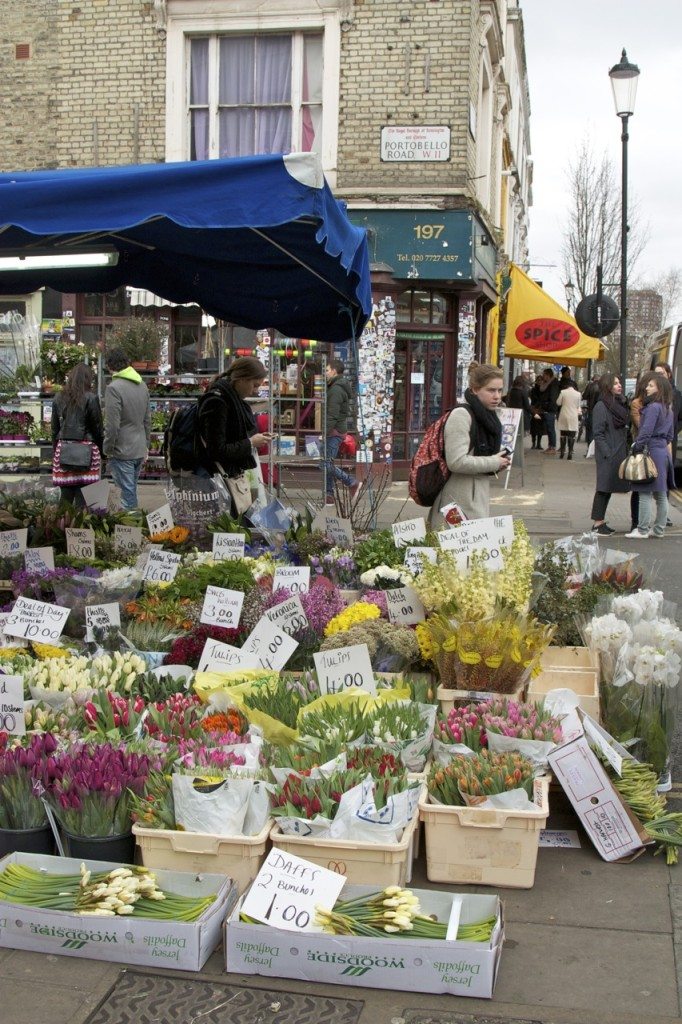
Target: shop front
433	274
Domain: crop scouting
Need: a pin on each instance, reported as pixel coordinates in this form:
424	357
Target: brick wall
93	89
387	54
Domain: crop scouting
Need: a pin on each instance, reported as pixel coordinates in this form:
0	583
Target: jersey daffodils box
406	965
125	940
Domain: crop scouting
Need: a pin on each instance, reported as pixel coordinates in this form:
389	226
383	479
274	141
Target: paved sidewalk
591	943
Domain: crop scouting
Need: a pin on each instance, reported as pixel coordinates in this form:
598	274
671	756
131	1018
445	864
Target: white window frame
214	18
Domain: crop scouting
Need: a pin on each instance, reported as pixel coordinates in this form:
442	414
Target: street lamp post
570	290
624	77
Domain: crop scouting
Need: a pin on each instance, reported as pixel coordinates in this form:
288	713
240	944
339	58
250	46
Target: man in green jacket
338	410
127	425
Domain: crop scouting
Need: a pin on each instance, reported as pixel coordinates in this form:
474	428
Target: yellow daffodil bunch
351	616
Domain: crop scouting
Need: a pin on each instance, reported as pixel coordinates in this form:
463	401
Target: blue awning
259	241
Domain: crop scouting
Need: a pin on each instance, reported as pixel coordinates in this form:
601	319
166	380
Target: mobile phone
506	452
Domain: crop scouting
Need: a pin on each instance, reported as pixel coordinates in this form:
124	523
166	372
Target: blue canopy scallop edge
259	241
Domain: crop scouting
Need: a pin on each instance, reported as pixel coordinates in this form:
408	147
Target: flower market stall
170	710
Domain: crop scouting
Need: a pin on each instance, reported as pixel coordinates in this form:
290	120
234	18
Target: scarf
241	421
486	427
618	410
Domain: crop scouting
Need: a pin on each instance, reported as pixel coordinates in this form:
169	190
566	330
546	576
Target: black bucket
26	840
118	849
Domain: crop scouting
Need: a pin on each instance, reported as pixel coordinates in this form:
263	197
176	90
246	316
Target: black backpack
180	439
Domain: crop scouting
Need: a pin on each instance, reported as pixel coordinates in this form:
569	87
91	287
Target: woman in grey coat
656	431
610	419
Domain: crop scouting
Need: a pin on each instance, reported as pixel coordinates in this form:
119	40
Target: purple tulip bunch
89	786
22	769
523	721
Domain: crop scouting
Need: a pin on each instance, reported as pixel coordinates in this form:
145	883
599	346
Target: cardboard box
125	940
405	965
615	832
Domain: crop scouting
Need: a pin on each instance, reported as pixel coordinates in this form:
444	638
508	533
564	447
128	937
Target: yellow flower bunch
426	648
44	651
351	616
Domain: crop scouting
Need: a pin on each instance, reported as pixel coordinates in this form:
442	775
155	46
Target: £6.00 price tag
404	606
36	620
346	669
160	520
408	531
12	543
39	559
222	607
80	543
295	578
415	558
161	566
101	616
288	616
228	547
286	890
487	536
219	657
127	538
12	705
271	646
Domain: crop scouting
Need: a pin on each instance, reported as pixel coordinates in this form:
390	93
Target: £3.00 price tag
12	705
160	520
408	531
39	559
101	616
346	669
228	547
295	578
12	543
288	616
271	646
36	620
404	606
80	543
286	890
161	566
222	607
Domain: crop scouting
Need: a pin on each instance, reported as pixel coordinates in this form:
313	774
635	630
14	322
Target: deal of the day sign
485	536
36	620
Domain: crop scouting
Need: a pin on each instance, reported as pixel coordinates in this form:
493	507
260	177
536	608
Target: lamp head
624	77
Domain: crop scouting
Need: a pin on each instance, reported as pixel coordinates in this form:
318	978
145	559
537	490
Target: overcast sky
570	47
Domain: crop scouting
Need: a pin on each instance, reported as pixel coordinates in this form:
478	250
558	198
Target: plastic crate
584	683
484	847
363	863
239	857
568	659
450	699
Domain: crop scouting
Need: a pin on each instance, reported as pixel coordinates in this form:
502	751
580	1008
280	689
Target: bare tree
592	232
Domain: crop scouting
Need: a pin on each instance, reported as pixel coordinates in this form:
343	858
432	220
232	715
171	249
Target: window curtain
311	114
198	98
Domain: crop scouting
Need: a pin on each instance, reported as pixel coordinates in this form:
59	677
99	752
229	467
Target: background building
419	112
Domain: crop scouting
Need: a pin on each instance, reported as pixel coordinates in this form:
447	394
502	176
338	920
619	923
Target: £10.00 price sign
36	620
345	670
287	889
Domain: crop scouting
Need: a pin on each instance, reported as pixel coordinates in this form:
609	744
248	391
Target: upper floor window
255	93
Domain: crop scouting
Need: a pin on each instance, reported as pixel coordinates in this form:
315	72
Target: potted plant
141	339
57	358
14	426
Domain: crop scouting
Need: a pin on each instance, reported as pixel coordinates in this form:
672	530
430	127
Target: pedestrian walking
473	435
537	422
590	397
549	390
610	419
635	414
568	421
518	399
565	380
656	428
666	369
339	395
127	425
76	417
227	432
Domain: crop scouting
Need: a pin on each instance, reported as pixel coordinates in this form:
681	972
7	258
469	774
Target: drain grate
148	998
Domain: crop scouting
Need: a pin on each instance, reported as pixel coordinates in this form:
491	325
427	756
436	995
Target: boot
571	442
562	447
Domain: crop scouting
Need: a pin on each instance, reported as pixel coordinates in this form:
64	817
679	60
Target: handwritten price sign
295	578
160	520
346	669
487	536
222	607
161	566
219	657
80	543
228	547
127	538
415	558
404	606
36	620
12	705
101	616
12	543
271	646
286	890
408	531
288	616
39	559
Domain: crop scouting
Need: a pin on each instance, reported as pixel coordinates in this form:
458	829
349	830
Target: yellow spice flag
493	336
538	328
